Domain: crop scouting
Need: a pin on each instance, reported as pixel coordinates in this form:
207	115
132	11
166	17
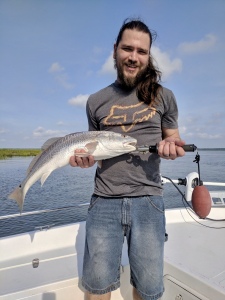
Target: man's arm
171	145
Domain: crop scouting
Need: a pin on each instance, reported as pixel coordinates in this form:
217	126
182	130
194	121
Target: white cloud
202	45
165	64
198	134
55	68
108	66
42	132
79	100
60	76
207	136
198	129
201	130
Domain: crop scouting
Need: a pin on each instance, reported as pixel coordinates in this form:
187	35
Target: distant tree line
7	153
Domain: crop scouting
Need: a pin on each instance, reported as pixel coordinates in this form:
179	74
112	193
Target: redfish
57	152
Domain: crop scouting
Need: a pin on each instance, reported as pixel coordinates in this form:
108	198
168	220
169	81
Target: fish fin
32	163
91	146
17	195
44	177
45	146
88	149
99	163
49	142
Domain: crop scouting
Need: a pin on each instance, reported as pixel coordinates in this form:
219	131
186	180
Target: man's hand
171	148
82	162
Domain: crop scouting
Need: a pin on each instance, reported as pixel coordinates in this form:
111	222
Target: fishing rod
154	149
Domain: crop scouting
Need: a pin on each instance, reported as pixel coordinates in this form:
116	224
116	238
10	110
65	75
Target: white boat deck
194	262
195	256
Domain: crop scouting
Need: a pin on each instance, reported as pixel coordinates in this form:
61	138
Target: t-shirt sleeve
170	116
92	123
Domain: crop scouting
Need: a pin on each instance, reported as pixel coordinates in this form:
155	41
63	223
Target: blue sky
54	53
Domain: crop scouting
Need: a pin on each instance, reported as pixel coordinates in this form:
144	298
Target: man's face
132	57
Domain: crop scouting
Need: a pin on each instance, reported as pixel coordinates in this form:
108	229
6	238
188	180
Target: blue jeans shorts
142	221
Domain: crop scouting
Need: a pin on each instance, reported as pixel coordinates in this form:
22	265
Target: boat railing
35	212
191	180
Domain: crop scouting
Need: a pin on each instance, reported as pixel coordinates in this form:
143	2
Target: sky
55	53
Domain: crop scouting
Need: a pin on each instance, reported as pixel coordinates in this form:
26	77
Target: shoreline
13	152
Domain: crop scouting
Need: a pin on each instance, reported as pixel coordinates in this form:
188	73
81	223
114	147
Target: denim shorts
142	221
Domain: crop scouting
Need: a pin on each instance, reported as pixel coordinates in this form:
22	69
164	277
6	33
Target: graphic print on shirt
128	116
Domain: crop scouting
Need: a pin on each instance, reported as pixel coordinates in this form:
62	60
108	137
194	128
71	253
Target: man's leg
89	296
107	296
146	239
103	248
136	296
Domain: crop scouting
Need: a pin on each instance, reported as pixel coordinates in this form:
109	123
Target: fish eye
123	135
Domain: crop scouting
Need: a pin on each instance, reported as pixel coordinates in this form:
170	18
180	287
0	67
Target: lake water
70	187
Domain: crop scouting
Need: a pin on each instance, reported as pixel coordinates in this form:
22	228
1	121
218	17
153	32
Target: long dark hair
148	88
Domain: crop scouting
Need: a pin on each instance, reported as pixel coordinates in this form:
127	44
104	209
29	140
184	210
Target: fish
56	153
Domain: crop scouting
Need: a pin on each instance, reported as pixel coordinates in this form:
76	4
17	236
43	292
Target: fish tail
17	195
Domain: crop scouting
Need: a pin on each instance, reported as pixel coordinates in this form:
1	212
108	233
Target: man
127	199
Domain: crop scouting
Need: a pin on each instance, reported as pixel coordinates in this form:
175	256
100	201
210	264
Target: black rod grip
187	148
154	149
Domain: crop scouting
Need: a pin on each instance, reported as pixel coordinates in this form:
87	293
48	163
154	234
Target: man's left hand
171	148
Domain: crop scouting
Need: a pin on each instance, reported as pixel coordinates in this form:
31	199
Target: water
69	187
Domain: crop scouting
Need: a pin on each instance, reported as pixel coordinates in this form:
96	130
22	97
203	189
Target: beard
129	82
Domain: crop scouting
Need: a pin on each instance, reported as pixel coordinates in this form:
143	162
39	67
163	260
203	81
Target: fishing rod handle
187	148
154	149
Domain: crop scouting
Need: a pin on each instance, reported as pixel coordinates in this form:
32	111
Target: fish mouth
132	144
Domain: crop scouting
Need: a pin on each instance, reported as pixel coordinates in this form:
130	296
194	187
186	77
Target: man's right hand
82	162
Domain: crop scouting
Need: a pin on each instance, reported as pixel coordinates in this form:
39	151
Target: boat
47	263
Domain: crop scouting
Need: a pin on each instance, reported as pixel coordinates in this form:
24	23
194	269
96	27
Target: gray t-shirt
119	110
